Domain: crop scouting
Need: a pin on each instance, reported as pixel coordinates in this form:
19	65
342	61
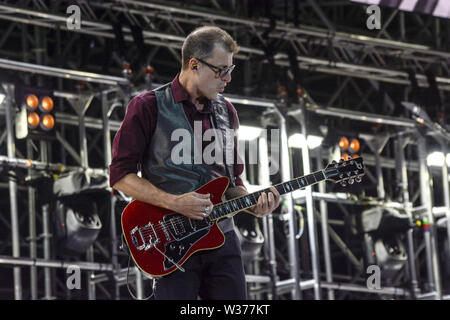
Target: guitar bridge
144	232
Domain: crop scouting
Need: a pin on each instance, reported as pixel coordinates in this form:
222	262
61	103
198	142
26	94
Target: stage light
33	120
47	104
343	143
249	132
32	102
48	122
297	140
354	145
36	118
437	159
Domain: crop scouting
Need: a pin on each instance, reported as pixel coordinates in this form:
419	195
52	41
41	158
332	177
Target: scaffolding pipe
11	151
112	198
310	206
21	261
286	176
434	278
325	236
445	189
269	243
399	149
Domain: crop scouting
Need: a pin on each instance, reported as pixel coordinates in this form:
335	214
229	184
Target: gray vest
178	178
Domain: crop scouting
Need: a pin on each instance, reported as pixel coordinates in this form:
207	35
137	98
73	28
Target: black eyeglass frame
220	72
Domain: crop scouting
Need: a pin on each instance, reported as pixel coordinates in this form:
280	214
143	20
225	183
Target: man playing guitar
190	101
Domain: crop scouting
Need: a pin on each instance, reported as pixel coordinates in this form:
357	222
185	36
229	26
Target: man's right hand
193	205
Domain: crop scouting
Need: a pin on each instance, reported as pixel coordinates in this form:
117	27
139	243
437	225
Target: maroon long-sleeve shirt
138	126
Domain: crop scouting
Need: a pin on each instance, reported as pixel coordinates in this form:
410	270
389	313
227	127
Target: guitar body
160	241
150	230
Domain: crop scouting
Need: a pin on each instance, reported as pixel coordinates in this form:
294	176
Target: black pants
216	274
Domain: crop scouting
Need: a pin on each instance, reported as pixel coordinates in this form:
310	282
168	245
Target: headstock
345	171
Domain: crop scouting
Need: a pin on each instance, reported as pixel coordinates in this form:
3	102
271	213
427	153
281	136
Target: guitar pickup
166	232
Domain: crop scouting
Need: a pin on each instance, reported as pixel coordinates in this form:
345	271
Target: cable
122	247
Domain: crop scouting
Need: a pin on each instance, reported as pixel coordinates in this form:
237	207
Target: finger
202	195
275	191
271	200
266	202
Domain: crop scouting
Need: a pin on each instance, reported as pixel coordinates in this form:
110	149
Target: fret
290	186
241	206
241	202
319	176
248	201
251	199
303	182
310	179
279	188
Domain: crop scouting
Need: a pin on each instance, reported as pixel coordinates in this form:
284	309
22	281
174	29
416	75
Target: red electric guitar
160	241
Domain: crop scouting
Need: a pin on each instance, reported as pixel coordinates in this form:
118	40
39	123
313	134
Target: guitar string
181	219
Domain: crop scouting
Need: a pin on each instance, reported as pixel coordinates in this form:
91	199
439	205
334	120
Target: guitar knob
344	183
172	246
349	157
358	179
351	181
333	162
341	160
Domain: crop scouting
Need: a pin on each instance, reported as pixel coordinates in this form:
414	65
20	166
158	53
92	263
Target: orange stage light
32	101
343	143
33	120
48	122
47	104
354	145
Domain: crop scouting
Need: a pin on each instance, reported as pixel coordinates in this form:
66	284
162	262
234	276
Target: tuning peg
358	179
344	183
351	181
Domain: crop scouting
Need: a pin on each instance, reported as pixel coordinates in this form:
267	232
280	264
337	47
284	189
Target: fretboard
237	204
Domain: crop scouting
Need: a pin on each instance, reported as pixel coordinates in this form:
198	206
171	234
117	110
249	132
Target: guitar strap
229	169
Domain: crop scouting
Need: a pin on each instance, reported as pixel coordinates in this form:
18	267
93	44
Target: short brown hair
200	43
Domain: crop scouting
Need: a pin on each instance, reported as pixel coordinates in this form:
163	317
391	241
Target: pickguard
177	250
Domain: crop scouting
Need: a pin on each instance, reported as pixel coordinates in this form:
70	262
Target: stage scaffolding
97	272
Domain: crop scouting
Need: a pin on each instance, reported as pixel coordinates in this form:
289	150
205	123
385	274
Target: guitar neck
237	204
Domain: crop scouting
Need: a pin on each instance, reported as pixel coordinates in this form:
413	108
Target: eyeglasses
220	72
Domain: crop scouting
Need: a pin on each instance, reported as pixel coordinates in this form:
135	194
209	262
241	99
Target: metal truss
316	49
320	49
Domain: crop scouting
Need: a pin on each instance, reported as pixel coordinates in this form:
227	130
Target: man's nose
227	77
